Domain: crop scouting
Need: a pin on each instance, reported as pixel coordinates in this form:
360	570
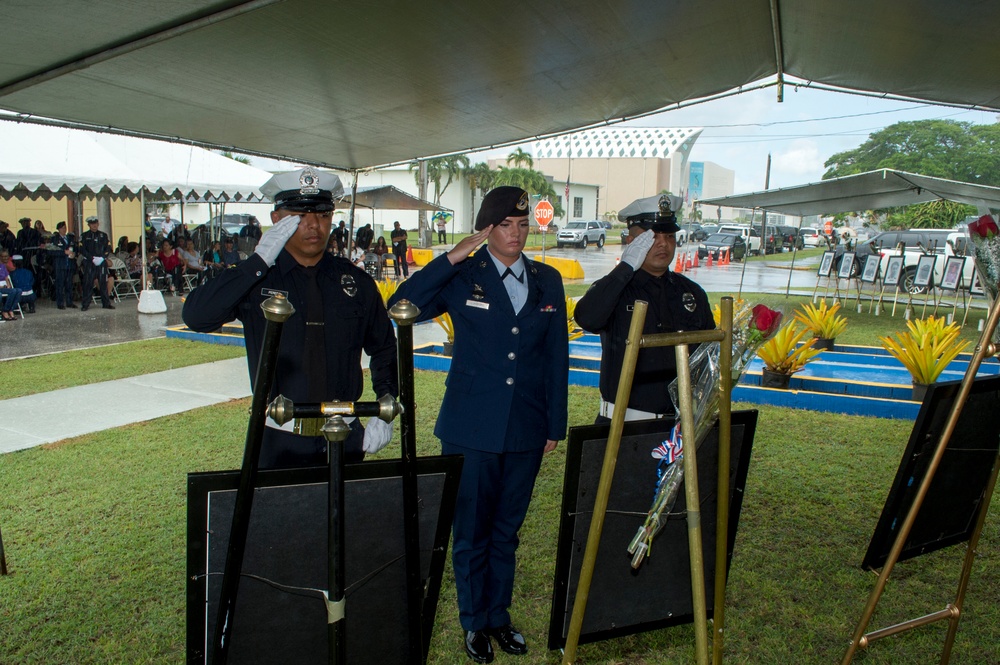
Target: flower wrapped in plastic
985	235
752	327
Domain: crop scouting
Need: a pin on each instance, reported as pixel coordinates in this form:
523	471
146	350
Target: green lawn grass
95	534
94	529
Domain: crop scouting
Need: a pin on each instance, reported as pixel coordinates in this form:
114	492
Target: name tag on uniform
267	293
477	303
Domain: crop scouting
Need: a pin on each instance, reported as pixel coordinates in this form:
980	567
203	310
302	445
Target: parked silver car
581	234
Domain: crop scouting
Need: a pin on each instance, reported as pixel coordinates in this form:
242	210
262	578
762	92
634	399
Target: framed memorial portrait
825	264
976	288
893	269
952	272
925	270
870	272
846	265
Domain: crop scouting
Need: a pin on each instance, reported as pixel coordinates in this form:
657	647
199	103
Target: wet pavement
51	330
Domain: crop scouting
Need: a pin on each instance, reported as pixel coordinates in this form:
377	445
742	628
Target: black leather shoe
61	306
107	306
84	308
478	646
71	305
509	640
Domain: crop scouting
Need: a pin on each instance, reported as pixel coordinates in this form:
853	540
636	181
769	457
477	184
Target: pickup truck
749	235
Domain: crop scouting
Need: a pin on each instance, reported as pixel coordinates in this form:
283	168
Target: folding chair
125	285
3	296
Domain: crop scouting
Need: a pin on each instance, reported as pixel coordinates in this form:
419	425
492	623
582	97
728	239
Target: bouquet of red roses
986	237
752	327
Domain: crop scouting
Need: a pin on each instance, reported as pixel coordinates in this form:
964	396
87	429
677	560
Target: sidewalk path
99	406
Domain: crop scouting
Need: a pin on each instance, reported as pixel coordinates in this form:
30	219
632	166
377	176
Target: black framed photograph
622	600
826	264
925	270
952	272
870	272
951	505
976	287
846	265
280	613
893	269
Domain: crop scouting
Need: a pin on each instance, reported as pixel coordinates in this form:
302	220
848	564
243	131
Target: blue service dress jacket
508	384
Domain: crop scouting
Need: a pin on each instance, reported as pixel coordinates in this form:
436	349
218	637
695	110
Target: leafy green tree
519	158
949	149
941	148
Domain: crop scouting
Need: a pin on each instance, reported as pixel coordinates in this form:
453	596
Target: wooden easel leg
970	559
860	640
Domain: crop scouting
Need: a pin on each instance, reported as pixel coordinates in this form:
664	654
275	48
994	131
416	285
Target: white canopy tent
42	162
874	190
364	83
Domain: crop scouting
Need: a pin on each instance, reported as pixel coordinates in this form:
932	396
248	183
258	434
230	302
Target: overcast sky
800	133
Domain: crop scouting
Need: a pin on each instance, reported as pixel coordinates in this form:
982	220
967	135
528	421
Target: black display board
280	614
949	510
623	601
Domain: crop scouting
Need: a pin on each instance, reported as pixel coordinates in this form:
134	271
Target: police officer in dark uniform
505	402
398	238
675	304
95	246
338	314
62	255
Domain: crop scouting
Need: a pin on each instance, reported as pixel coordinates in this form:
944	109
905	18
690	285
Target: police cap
93	220
663	220
501	203
305	190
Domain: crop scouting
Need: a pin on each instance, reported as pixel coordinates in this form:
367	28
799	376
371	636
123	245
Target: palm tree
519	158
445	167
532	181
480	177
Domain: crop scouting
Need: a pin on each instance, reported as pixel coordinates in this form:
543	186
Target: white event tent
42	162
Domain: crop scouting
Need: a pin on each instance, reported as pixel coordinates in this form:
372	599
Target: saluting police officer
62	255
338	314
675	304
504	405
95	246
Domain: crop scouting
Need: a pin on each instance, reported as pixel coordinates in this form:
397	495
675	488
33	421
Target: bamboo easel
636	341
952	611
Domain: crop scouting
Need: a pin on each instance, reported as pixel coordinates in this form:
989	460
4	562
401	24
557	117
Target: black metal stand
336	431
405	313
3	557
277	309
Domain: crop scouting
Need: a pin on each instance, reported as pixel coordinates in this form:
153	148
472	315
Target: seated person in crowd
122	248
42	233
212	259
193	261
382	251
173	266
24	279
230	257
11	296
7	239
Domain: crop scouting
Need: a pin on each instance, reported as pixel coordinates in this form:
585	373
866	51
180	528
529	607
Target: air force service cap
501	203
664	220
305	190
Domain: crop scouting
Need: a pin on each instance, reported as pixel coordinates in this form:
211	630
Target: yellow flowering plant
784	354
575	332
926	348
821	321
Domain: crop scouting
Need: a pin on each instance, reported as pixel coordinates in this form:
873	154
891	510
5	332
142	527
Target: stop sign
828	227
544	212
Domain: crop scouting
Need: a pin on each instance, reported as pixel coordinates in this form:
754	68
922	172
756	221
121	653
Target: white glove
98	260
378	434
636	251
272	242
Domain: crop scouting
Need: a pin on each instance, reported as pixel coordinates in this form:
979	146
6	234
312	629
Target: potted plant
822	322
784	354
449	328
925	349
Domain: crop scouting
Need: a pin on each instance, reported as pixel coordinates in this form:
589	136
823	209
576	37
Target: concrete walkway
84	409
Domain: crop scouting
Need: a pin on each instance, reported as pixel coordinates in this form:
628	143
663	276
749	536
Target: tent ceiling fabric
873	190
363	83
386	197
42	162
